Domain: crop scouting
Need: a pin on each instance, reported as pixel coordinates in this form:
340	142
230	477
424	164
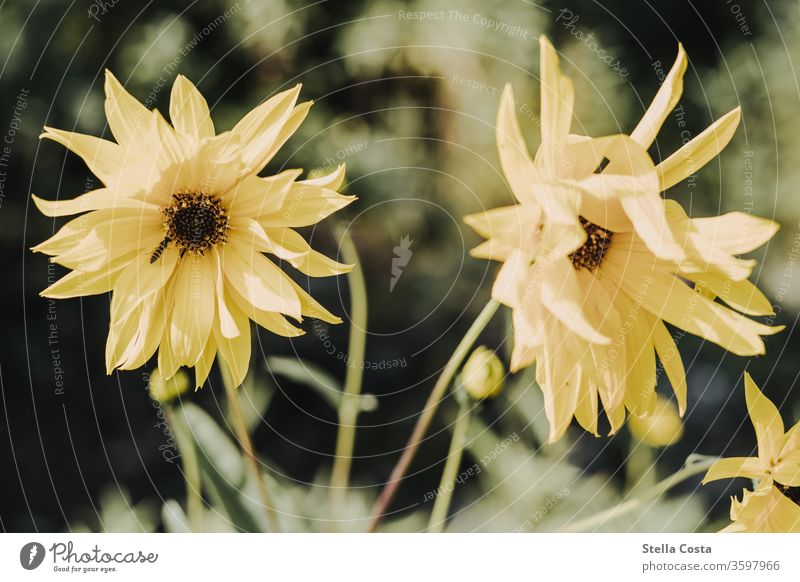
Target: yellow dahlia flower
179	230
595	261
773	506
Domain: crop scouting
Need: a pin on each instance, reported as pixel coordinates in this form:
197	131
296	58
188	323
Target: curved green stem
424	421
246	444
442	504
191	473
356	349
689	470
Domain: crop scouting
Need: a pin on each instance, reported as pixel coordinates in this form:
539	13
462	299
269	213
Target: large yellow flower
773	506
179	230
595	261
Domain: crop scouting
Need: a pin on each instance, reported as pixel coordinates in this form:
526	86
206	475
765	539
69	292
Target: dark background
428	159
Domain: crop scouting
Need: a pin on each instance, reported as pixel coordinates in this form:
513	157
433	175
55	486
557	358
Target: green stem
689	470
442	504
246	444
350	404
424	421
191	473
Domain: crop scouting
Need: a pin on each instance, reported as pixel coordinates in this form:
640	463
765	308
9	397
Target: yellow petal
333	180
128	119
640	384
737	233
670	359
271	321
561	386
273	143
787	472
140	280
509	228
188	110
766	420
512	280
306	205
586	410
292	247
235	352
665	101
749	467
698	152
556	111
194	308
152	322
564	296
668	298
104	158
255	196
261	127
258	280
741	295
203	366
227	323
515	160
81	284
102	198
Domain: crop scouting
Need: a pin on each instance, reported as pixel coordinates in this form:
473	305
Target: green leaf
173	517
222	467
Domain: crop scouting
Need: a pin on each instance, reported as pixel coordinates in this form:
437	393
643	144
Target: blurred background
406	95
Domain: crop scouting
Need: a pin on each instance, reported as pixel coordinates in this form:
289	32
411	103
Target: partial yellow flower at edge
778	452
774	506
765	510
179	230
594	264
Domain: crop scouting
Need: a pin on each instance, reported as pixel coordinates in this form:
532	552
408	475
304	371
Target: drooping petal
257	278
194	308
293	248
670	358
670	299
563	296
235	352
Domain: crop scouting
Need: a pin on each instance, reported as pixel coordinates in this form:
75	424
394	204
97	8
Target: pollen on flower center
590	255
195	222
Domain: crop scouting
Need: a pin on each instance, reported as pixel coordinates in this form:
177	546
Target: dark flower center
590	255
195	222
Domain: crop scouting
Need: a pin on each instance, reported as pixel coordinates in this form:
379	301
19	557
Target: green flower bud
167	390
483	374
663	427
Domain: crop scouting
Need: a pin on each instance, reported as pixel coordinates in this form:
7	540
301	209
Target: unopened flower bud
167	390
483	374
663	427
